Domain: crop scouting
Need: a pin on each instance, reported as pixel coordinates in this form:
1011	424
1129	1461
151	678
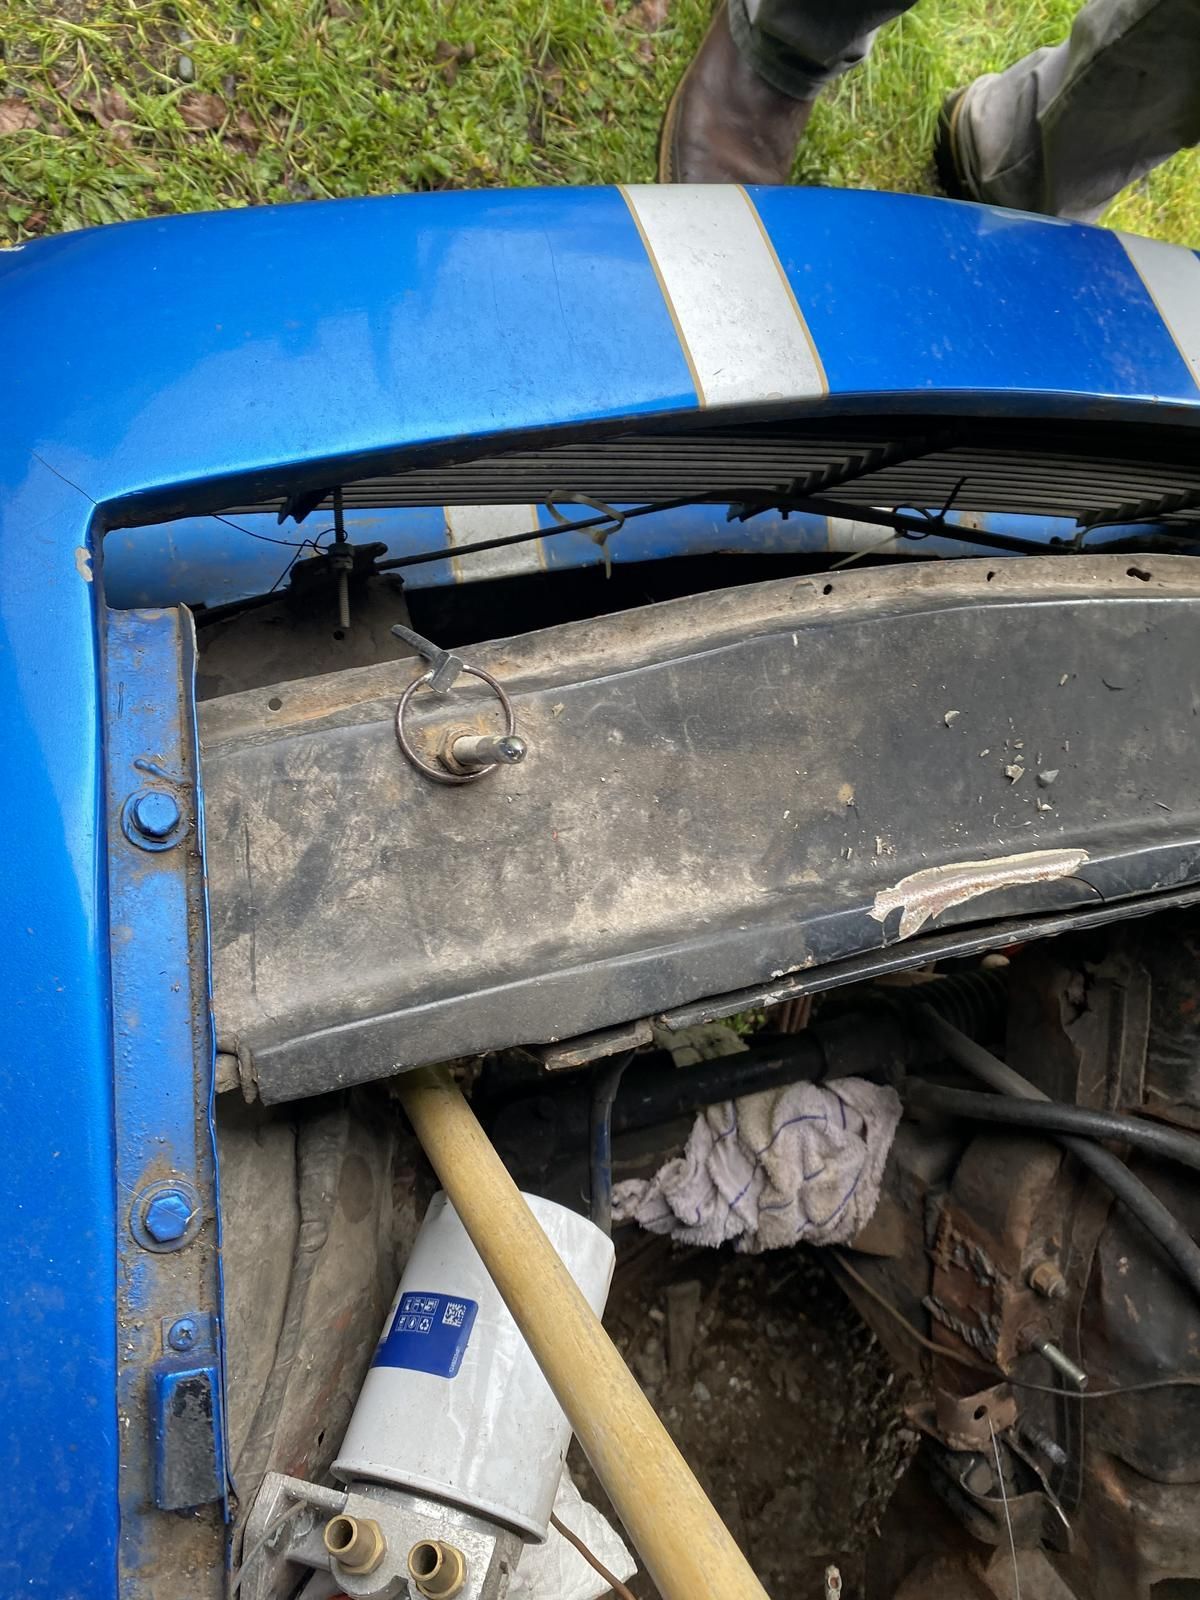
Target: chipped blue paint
162	1079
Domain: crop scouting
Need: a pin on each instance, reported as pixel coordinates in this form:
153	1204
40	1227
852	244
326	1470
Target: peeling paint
932	890
83	563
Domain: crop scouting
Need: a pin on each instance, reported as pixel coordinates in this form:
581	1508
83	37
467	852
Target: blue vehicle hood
177	366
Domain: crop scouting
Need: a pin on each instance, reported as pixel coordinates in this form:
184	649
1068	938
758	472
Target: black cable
584	525
923	527
911	527
1159	1222
1056	1117
606	1080
264	538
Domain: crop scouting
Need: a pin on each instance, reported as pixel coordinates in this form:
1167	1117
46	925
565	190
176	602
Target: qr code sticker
454	1314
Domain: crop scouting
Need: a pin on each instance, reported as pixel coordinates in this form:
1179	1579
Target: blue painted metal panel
295	332
352	329
57	1329
163	1076
904	295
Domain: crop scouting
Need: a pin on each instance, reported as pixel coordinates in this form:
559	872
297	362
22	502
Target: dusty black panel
719	790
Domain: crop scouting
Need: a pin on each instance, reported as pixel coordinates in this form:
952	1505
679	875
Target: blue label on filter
429	1333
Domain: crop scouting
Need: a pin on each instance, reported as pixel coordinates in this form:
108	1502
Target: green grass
292	99
876	129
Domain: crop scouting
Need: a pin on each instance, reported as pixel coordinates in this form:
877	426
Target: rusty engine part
998	1269
995	1250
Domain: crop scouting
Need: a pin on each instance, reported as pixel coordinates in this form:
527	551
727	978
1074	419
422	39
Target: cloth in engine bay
804	1162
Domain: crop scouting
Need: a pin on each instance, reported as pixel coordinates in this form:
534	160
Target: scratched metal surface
719	790
163	1059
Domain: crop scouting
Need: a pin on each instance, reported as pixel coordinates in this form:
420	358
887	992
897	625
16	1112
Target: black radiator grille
1074	477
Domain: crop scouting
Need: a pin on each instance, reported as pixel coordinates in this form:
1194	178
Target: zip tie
598	536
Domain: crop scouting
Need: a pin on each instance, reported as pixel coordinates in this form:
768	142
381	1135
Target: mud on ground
777	1394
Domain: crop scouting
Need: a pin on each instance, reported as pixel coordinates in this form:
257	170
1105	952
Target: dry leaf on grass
648	16
106	108
16	116
199	110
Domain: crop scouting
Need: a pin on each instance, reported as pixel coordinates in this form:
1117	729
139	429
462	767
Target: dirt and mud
777	1394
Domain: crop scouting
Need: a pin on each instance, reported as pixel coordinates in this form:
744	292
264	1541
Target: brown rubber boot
724	123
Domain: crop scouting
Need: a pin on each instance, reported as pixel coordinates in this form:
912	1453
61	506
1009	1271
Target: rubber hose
1159	1222
1055	1116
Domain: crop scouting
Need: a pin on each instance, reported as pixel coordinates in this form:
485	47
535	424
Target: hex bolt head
155	814
1046	1279
167	1216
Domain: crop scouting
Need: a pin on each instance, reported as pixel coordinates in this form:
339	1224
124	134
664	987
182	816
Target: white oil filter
455	1405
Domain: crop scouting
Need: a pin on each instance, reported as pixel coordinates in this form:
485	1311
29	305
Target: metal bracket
186	1416
169	1388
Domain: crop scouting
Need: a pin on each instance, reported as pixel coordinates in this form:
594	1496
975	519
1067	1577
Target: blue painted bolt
182	1335
167	1216
155	814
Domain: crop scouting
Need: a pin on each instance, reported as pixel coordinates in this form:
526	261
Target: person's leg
743	103
799	46
1064	130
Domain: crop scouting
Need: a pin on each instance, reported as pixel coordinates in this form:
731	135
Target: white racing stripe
1172	275
859	538
743	333
471	524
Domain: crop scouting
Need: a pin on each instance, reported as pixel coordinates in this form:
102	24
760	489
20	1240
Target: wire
1178	1381
868	550
913	1332
314	541
268	1533
614	1583
1057	1117
913	527
290	544
1012	1543
917	527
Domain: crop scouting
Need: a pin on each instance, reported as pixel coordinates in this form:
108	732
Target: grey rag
800	1163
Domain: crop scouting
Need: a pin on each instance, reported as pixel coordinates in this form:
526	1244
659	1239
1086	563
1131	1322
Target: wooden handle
685	1546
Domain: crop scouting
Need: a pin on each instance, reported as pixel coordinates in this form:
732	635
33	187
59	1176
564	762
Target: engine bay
559	736
746	827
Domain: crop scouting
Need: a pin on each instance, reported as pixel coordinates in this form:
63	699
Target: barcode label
428	1333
